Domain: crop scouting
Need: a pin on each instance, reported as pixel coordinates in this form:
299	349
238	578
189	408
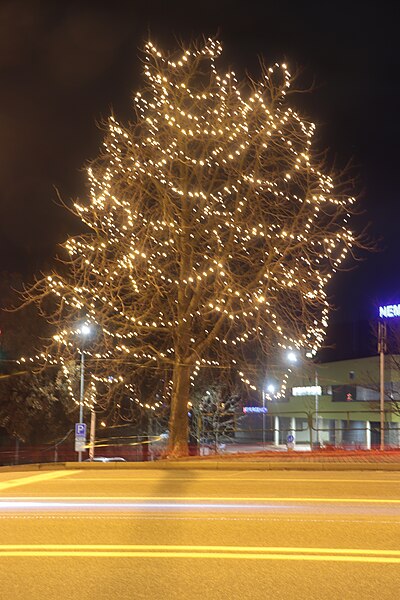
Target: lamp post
292	357
84	331
270	390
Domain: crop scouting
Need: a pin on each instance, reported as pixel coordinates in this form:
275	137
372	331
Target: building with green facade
334	404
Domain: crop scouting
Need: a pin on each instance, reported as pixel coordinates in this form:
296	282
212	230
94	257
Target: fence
348	430
20	453
344	429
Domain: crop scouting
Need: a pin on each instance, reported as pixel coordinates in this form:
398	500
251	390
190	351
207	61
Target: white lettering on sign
389	311
309	390
255	409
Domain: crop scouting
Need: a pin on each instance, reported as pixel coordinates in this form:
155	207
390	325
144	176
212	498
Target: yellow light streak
4	485
155	438
205	552
13	374
217	499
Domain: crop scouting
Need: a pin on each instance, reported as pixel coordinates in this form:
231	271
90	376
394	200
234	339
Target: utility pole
263	419
92	438
316	409
382	350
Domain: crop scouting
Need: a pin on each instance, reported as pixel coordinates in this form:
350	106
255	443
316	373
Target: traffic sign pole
81	395
80	438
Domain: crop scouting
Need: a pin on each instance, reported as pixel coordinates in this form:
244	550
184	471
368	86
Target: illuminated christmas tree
212	233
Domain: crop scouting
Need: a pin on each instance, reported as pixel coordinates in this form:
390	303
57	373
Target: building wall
349	423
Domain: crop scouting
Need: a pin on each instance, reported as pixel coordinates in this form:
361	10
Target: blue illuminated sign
255	409
80	437
389	311
80	429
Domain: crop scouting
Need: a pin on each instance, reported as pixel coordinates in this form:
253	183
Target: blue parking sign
80	437
80	430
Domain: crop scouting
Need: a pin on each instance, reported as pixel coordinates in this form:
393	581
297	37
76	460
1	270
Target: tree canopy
212	233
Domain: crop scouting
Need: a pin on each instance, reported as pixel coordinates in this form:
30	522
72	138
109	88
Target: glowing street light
291	357
85	329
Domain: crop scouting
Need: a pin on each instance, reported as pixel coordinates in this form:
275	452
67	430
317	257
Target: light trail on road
203	552
201	506
34	505
228	500
198	533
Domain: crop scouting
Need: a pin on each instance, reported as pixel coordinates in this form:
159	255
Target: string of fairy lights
90	397
208	216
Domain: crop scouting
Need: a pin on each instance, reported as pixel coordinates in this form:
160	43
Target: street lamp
84	332
292	357
270	390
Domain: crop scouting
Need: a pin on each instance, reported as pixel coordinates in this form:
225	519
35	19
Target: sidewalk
340	460
319	456
317	460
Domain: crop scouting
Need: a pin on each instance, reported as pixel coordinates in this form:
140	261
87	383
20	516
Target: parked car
105	459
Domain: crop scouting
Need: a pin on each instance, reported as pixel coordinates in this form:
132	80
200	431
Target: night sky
63	66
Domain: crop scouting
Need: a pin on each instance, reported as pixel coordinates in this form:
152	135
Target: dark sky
63	65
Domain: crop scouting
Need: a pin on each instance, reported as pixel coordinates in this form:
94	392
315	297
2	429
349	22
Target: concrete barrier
213	465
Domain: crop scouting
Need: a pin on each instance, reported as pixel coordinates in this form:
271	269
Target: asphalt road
126	534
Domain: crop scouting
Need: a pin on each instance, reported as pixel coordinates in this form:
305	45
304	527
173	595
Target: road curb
191	465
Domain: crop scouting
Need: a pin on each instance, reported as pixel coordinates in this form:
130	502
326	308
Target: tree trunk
178	422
